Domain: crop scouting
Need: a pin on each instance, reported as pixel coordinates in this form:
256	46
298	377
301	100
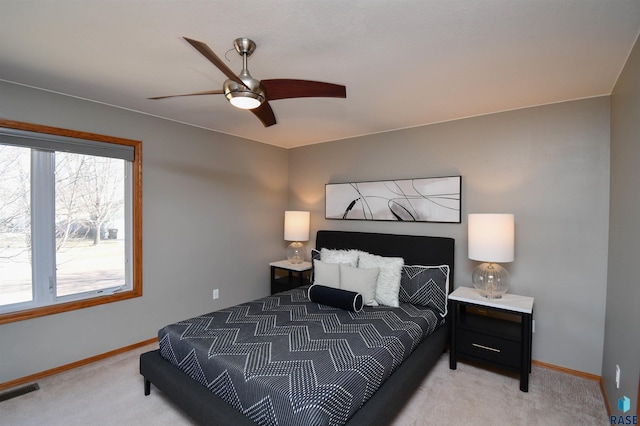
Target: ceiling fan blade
208	92
286	88
211	56
265	114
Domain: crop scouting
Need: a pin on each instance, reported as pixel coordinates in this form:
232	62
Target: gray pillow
360	280
326	274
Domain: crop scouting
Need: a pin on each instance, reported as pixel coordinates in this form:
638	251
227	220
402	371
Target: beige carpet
110	392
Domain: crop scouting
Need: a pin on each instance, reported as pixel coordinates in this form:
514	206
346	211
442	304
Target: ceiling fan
246	92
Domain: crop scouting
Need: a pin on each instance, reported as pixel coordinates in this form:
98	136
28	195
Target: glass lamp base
491	279
295	252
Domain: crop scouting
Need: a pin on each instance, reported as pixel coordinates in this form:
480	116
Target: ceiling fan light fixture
245	100
248	96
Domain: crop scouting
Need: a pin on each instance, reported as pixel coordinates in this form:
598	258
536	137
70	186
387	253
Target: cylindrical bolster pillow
338	298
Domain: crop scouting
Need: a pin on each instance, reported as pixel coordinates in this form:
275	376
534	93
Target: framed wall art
408	200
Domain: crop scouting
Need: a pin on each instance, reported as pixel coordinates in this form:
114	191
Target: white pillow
388	285
360	280
326	274
340	256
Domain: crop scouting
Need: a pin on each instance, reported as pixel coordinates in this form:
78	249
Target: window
70	220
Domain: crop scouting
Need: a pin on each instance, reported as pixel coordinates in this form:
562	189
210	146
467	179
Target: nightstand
497	332
294	277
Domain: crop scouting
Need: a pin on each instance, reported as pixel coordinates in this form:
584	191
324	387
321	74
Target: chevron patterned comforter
283	360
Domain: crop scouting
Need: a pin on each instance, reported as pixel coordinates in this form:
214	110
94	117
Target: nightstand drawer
489	348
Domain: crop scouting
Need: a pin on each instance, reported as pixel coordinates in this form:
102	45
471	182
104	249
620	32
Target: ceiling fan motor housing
247	96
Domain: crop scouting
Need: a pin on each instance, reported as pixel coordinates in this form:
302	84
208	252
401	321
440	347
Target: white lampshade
491	237
296	226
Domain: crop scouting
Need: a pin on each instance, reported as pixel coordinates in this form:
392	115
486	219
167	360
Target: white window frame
51	139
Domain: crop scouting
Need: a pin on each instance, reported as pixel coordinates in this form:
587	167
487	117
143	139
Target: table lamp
296	229
491	240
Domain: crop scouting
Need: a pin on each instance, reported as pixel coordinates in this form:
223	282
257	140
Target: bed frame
207	409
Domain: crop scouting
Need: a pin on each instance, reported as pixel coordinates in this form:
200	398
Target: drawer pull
485	347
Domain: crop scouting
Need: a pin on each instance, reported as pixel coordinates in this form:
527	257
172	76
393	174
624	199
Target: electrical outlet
617	377
216	294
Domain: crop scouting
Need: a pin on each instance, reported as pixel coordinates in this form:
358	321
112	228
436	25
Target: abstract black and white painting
406	200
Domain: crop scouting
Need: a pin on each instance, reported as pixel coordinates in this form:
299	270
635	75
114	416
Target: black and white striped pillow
425	286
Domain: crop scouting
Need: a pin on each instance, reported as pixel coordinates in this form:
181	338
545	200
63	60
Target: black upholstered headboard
415	249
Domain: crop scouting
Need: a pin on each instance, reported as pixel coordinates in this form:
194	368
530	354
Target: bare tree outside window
89	210
89	194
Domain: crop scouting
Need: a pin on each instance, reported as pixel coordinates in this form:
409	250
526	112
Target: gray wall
212	218
622	331
548	165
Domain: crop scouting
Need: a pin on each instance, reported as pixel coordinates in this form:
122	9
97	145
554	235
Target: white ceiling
405	63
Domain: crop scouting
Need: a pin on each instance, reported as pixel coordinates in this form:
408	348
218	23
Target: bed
183	376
